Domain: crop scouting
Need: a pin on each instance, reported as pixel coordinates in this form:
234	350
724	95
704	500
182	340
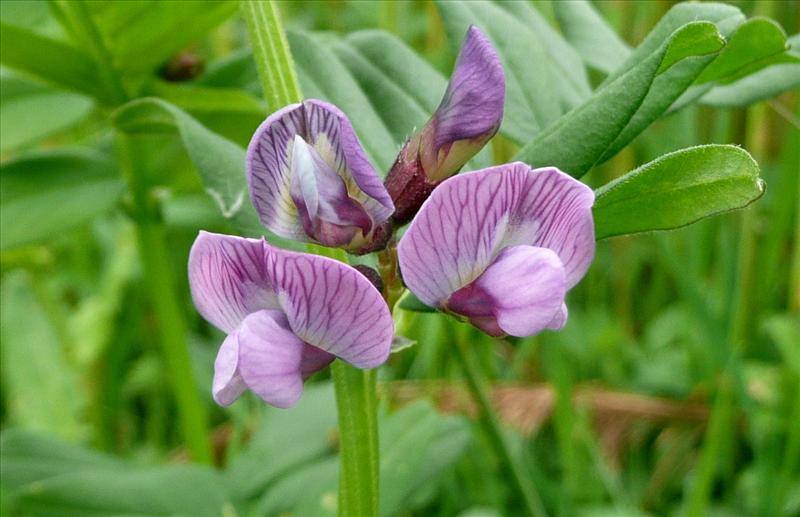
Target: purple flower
501	247
311	181
468	116
287	315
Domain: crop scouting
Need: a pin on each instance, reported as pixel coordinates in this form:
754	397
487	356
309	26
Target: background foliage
674	389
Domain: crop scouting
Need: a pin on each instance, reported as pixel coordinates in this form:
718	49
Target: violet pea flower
467	117
311	181
287	316
500	247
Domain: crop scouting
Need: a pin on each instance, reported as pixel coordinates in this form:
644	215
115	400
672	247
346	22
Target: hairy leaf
677	189
617	111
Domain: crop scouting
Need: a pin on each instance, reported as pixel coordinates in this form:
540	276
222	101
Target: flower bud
468	116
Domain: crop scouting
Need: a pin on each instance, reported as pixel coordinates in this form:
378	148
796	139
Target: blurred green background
668	331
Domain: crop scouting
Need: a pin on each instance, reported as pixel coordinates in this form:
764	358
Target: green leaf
40	389
532	101
284	441
31	113
784	331
55	62
417	447
774	79
141	36
231	112
49	477
753	43
202	99
677	189
219	161
618	111
234	70
35	16
409	302
764	84
725	17
47	193
174	490
565	62
29	457
380	63
596	42
309	490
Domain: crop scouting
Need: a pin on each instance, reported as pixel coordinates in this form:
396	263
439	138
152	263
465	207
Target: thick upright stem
491	424
357	408
355	389
160	287
358	437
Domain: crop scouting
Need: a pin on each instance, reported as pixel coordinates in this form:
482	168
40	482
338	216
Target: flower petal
332	306
524	287
227	277
270	358
469	219
228	383
326	129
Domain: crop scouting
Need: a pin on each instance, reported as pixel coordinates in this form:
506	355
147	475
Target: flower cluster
498	247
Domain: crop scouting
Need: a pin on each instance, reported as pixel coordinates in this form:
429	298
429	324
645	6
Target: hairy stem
271	53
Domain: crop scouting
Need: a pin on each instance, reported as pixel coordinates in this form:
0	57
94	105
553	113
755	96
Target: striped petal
307	170
332	306
228	280
469	220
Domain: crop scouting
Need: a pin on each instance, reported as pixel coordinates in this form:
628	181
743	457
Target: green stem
357	408
488	419
271	53
356	404
160	288
355	389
